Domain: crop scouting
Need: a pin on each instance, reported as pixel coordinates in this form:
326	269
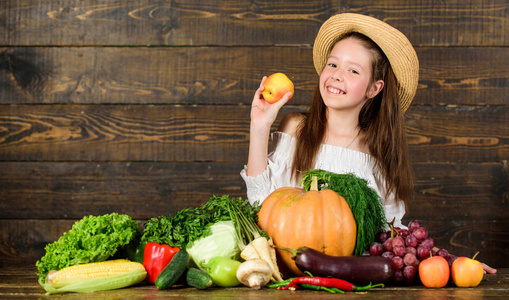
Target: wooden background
142	107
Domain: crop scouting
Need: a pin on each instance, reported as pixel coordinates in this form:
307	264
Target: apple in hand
434	272
276	86
467	272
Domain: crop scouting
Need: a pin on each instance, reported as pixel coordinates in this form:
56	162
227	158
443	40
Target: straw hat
394	44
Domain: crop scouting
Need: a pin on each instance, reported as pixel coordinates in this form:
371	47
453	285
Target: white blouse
330	158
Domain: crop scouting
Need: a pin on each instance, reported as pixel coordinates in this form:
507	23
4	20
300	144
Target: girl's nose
337	76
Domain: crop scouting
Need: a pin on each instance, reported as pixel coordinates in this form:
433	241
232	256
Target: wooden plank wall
142	107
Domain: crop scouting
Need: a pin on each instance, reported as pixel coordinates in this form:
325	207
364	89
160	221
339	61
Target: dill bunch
366	205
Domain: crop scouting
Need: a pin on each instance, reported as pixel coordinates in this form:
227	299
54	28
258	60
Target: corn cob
97	276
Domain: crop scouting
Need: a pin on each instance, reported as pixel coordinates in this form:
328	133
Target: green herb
91	239
189	224
366	205
246	229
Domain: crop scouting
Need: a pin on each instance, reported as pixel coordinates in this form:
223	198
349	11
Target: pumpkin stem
314	184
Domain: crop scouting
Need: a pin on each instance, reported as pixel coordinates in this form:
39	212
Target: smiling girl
355	120
368	77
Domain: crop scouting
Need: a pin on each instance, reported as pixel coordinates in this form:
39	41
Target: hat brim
394	44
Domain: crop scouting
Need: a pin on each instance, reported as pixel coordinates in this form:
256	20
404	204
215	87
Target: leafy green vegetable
221	242
246	229
91	239
189	224
366	205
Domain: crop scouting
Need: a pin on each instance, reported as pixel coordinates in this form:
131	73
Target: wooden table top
21	283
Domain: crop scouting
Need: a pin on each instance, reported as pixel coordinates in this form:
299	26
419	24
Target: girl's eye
332	65
354	71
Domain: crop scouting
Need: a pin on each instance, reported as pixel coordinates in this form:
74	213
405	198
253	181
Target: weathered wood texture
220	133
21	283
142	107
232	22
223	75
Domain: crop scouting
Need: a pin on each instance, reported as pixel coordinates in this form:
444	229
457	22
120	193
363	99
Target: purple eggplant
359	270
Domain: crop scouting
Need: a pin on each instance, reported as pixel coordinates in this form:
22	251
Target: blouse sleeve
259	187
276	174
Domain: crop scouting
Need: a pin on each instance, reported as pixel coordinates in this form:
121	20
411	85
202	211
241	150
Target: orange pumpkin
321	220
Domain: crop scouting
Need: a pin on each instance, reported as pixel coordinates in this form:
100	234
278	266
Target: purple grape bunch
406	248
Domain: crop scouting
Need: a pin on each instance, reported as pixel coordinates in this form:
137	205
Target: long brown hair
380	119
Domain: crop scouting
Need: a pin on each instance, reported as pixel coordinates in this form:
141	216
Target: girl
368	77
348	129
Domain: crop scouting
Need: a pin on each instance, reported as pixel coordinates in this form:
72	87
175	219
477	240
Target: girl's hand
488	269
263	115
263	112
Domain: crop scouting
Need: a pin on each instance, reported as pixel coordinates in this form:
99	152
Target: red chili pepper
329	282
155	258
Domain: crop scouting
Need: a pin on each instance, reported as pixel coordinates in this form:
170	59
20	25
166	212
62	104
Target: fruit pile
406	248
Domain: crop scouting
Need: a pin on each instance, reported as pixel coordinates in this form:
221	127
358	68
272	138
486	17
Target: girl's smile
334	90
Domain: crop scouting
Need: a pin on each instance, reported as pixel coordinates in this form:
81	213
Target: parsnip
249	253
251	243
261	244
273	256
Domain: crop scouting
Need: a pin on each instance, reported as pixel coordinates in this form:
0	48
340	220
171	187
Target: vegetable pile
171	247
217	244
204	232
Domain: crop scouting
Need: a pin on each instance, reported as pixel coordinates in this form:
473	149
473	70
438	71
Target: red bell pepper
155	258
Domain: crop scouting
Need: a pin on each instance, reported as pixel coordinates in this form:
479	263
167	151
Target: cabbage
222	241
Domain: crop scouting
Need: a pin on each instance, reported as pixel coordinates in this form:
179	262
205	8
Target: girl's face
345	82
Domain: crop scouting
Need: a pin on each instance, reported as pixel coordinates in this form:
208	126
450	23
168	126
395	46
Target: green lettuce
91	239
222	241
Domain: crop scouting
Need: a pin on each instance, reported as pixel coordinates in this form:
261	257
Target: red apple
467	272
434	272
276	86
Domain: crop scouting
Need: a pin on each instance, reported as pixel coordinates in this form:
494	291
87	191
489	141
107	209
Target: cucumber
198	278
173	270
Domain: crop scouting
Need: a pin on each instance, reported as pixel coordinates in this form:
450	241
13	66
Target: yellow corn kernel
77	273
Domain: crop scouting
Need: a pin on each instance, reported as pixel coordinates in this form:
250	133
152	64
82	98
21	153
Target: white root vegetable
272	252
276	275
249	252
254	273
263	248
251	243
